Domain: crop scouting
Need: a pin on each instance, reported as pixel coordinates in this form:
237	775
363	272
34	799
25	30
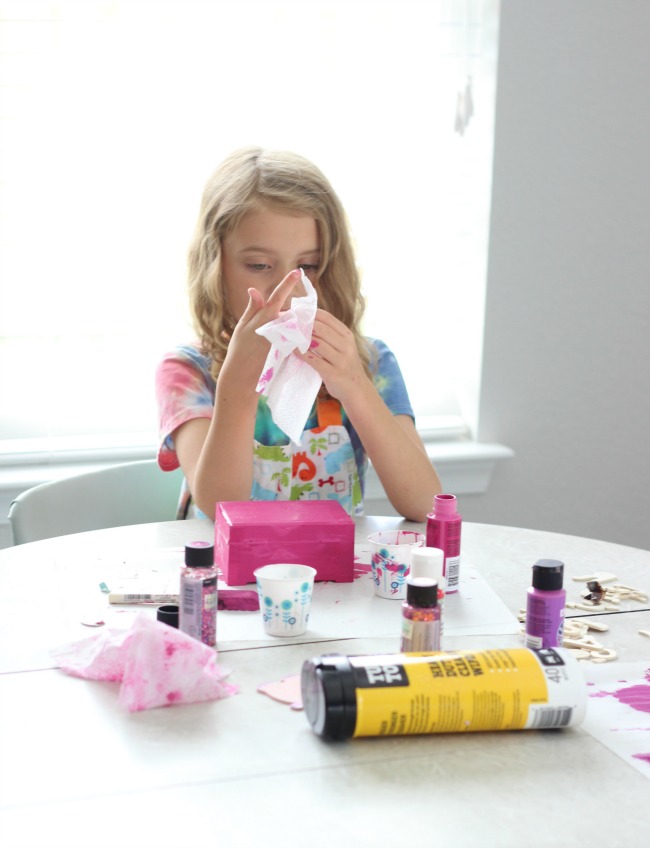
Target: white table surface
77	770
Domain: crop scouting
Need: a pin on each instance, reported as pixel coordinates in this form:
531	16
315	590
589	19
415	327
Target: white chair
129	493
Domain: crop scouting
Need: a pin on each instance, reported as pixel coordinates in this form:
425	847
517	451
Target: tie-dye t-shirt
185	390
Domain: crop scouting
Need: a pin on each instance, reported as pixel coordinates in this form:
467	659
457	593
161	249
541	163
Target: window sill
465	468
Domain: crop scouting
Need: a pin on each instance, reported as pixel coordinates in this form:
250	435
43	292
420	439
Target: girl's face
265	246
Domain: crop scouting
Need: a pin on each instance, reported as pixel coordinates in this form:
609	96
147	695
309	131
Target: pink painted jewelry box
248	534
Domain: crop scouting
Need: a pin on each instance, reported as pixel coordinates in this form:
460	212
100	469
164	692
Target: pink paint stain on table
361	568
637	697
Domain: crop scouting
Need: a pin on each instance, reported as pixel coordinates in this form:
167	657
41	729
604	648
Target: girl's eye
258	266
309	269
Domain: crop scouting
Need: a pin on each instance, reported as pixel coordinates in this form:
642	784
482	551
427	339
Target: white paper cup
285	592
390	558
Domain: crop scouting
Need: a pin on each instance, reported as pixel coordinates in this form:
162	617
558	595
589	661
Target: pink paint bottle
444	526
545	605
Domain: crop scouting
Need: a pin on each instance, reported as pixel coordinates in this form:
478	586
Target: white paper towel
289	383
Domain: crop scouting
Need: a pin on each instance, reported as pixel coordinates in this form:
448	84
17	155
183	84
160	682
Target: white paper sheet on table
352	610
339	610
618	710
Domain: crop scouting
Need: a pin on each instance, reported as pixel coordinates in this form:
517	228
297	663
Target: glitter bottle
430	562
198	593
420	616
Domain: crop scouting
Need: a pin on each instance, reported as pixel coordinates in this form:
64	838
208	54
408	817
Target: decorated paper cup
285	592
390	558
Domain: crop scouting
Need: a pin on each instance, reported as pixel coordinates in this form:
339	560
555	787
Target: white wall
567	337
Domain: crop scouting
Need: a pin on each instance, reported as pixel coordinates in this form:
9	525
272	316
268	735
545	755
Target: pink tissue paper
289	383
158	665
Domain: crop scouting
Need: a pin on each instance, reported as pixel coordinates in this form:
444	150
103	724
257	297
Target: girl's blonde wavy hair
247	179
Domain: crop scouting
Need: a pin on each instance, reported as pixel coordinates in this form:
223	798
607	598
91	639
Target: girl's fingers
282	291
255	303
273	306
332	333
324	321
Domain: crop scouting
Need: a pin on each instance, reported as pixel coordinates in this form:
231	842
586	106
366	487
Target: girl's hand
247	350
334	355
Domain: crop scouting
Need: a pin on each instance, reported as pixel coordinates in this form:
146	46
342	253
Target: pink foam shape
285	691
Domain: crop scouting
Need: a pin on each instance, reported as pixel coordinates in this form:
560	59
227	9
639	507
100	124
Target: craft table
78	770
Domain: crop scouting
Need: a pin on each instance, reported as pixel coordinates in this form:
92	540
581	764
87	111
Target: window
113	116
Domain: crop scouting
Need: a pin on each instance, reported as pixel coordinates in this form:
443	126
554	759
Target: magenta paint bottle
545	605
444	526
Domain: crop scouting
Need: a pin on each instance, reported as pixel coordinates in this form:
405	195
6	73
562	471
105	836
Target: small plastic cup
285	592
391	560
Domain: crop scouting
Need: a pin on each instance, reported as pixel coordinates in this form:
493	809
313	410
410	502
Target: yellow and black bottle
446	692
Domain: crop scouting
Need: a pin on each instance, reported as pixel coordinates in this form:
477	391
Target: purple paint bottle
545	605
444	526
198	593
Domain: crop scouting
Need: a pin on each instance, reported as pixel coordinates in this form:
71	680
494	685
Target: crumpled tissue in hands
290	384
157	665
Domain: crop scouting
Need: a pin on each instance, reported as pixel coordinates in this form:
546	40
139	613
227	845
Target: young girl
265	215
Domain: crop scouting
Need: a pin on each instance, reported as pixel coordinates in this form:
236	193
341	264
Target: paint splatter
361	568
644	757
637	697
265	379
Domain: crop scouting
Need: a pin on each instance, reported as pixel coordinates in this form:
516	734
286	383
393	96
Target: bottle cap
199	555
328	687
428	562
168	614
444	505
548	574
421	592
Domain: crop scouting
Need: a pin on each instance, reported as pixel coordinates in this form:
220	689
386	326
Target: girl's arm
216	455
391	441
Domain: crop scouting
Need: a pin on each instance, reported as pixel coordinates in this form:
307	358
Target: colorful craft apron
321	467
